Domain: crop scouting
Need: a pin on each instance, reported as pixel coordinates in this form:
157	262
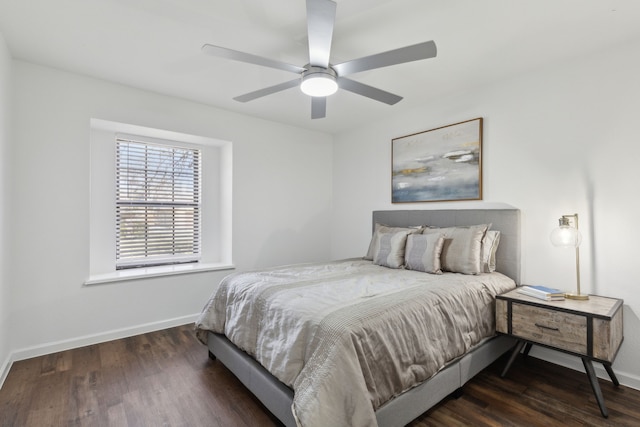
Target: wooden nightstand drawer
560	330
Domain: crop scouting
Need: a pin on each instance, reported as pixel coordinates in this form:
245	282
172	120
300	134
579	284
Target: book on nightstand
542	292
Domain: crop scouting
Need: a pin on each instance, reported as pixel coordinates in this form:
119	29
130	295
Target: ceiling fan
319	78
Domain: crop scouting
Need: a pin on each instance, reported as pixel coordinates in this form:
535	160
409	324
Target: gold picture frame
441	164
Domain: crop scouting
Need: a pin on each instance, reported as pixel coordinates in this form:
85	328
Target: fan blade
368	91
415	52
318	107
267	91
223	52
321	16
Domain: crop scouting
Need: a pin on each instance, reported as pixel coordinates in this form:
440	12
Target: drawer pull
546	327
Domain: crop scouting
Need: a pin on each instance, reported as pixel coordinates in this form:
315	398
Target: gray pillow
389	249
423	251
462	250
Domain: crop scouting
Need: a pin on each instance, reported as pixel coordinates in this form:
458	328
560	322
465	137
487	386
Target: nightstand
591	330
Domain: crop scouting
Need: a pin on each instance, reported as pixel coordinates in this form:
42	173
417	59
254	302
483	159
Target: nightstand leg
613	377
514	354
593	379
527	348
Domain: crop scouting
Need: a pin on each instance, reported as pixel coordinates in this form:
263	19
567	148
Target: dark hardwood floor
166	379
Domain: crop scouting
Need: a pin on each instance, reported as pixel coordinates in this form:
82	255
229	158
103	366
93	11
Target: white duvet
347	336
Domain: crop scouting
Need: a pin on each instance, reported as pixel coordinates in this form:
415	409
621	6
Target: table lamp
567	235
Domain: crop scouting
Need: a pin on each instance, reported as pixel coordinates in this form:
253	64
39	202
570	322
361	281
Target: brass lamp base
577	296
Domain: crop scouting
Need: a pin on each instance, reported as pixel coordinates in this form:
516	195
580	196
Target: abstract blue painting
440	164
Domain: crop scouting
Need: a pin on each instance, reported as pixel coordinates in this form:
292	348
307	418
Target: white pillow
489	248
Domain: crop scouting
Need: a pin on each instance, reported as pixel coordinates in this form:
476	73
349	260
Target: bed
352	338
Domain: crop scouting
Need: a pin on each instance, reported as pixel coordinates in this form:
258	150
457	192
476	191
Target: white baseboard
573	362
56	346
4	369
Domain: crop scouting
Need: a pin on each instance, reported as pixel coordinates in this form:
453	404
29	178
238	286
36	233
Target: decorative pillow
423	251
462	249
389	249
381	228
489	248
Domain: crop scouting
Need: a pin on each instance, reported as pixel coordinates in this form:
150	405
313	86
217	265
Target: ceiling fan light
319	84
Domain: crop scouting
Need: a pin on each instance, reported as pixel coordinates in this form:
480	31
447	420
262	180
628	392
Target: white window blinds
157	204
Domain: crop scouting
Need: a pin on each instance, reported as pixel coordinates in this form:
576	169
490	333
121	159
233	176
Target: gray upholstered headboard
505	220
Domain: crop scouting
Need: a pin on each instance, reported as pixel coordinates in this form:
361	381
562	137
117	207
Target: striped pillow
381	228
462	250
389	248
423	252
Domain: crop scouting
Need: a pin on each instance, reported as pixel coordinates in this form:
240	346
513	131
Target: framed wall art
441	164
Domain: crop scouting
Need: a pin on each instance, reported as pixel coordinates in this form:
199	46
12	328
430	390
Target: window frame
216	199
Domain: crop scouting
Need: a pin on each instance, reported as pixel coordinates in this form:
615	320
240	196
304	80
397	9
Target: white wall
5	98
558	140
281	207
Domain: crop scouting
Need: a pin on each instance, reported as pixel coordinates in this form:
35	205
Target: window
144	180
157	204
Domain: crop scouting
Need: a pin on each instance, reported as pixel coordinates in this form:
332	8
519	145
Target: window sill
146	273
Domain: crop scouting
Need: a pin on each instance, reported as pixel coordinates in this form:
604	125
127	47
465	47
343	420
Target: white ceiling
155	45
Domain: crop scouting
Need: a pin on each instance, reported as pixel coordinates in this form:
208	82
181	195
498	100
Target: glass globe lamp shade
567	237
